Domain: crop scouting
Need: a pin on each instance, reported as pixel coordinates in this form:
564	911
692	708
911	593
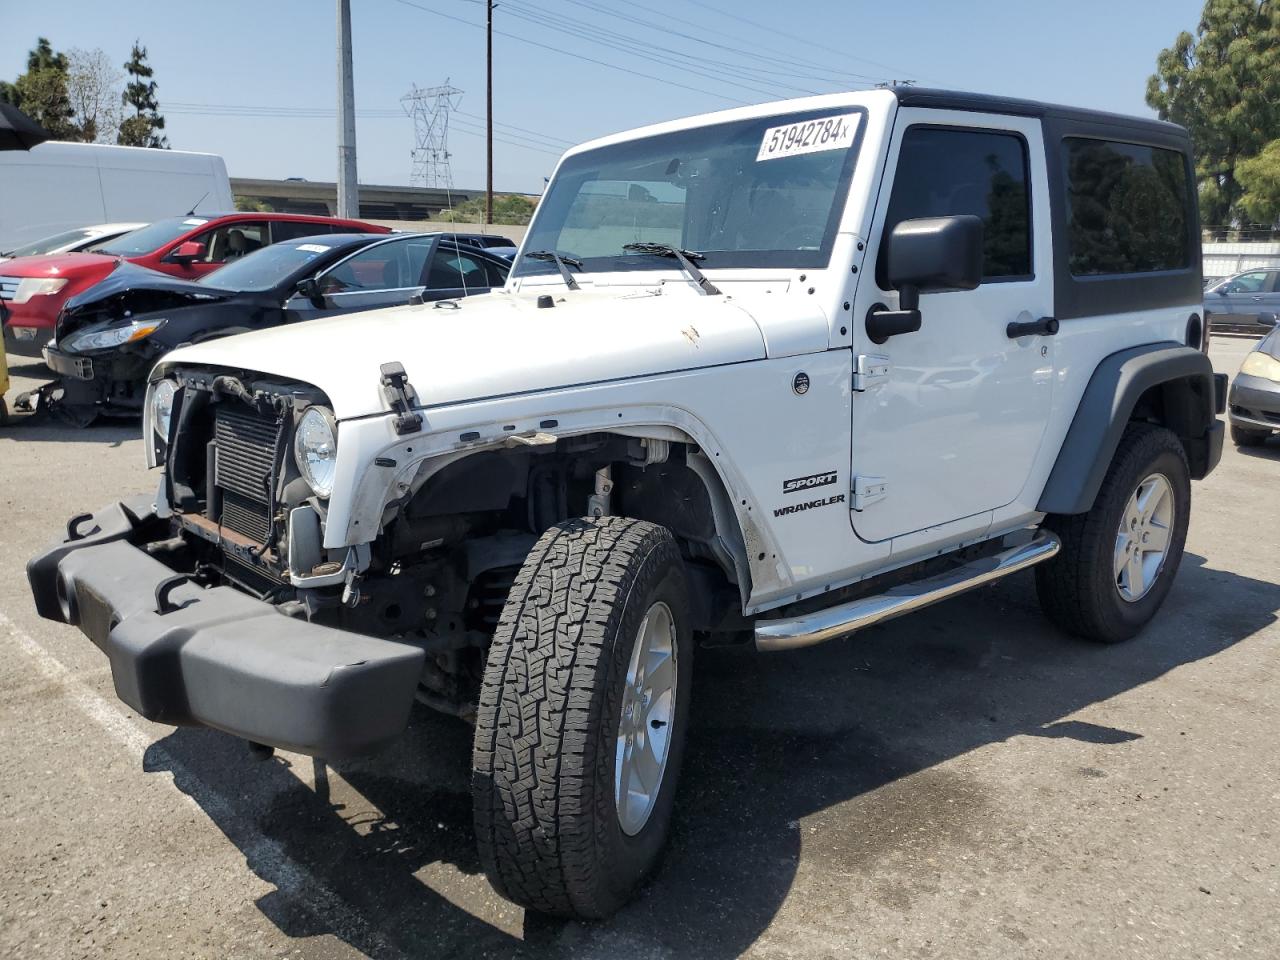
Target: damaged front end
216	604
108	338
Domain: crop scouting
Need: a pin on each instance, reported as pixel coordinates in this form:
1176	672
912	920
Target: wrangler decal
807	505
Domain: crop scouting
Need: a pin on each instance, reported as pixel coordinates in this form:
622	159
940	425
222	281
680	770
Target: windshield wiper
686	258
560	261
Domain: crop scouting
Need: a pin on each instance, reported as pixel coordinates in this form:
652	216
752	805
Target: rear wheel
1244	437
582	716
1118	561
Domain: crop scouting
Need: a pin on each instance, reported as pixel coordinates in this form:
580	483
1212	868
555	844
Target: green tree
41	92
1223	85
1260	180
141	128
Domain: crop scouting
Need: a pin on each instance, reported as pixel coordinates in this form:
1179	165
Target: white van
60	186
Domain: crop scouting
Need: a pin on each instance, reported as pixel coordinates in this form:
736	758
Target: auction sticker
809	136
312	247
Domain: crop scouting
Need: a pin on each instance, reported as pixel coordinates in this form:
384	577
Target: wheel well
497	497
1162	383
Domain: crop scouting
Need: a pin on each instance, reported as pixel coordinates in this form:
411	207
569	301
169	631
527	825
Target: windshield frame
584	161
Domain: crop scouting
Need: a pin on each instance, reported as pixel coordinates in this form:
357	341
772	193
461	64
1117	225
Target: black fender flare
1186	405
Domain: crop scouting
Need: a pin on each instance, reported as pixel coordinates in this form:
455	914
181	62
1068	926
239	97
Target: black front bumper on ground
217	657
1255	403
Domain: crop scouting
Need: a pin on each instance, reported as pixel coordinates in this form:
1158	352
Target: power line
808	41
309	113
753	54
267	110
576	56
717	70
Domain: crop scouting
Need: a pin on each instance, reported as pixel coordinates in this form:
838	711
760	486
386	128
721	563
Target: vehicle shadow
45	427
1269	449
839	744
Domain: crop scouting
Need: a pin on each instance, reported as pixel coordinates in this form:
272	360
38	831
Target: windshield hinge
401	397
868	490
869	369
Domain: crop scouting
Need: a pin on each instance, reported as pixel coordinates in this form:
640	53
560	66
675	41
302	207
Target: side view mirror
186	252
309	287
1267	319
1223	290
927	255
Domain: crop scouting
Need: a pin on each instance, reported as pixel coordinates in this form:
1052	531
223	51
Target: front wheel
1118	561
581	723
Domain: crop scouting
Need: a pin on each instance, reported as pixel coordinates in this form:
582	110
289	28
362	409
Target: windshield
50	244
766	192
269	267
150	238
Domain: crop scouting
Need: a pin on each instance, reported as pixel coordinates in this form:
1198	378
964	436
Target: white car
770	375
72	241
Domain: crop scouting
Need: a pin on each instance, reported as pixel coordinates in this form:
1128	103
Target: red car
33	289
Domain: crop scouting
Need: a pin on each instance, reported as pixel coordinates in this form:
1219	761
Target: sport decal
808	483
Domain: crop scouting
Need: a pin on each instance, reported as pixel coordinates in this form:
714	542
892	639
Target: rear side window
947	172
1127	207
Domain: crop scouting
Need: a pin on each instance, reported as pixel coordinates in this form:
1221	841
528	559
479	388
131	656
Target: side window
384	266
451	268
1127	207
946	172
1249	283
233	241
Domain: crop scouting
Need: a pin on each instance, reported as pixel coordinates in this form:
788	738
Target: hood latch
401	397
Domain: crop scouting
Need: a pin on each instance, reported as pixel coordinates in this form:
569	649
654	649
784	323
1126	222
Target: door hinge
868	490
868	370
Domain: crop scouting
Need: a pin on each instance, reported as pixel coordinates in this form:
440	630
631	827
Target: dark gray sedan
1242	303
1253	406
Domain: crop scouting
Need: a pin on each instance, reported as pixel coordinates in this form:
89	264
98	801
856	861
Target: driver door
948	419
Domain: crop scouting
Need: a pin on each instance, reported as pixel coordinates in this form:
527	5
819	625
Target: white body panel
965	428
956	426
60	186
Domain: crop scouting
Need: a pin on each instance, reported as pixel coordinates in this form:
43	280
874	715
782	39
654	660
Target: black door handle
1044	327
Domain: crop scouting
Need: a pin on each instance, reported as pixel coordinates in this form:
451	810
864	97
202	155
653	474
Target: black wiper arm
560	261
686	258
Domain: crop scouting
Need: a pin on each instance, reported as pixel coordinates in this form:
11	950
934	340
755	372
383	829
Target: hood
59	265
494	345
137	289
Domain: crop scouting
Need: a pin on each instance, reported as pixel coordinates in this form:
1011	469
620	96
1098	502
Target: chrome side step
822	625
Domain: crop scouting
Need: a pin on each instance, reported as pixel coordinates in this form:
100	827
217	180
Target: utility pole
348	191
488	193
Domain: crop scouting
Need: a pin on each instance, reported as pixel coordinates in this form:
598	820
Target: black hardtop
1158	130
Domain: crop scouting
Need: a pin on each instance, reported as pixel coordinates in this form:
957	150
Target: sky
255	80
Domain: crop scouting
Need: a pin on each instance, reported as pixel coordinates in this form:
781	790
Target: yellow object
4	383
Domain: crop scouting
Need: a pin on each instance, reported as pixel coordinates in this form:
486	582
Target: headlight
107	337
1263	365
29	287
315	449
162	407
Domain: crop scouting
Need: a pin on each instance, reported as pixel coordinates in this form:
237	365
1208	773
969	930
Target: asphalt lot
964	783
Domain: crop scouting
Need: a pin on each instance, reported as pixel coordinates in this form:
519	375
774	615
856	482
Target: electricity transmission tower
430	109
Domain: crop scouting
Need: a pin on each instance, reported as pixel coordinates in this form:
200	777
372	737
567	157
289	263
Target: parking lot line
266	855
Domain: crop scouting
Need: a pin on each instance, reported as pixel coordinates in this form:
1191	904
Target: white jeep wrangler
765	376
